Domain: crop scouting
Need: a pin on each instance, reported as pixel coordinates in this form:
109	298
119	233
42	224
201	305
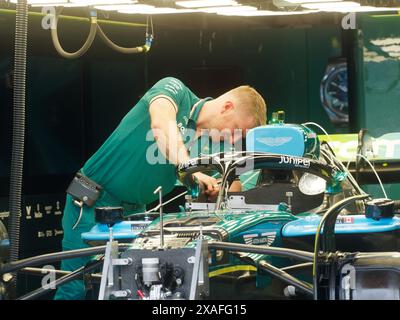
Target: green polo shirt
129	165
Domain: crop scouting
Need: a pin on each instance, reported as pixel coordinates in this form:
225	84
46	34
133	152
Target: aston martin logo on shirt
274	142
266	238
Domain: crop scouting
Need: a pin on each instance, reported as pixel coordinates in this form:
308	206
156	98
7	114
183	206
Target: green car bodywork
243	226
249	227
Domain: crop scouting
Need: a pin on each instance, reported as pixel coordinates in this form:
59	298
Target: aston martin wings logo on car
248	238
274	142
266	238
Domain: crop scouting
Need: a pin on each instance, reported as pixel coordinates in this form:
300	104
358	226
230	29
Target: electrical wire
336	162
346	168
353	180
331	157
350	176
376	174
318	126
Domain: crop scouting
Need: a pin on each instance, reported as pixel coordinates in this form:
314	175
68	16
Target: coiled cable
18	136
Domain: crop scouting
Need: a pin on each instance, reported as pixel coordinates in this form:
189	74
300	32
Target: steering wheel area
300	181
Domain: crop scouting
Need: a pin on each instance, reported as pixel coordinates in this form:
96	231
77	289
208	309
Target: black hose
18	140
282	275
360	160
328	224
273	251
52	257
64	279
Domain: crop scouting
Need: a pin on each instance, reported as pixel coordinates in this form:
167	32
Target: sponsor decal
139	227
298	162
186	165
345	220
345	146
266	238
274	142
248	238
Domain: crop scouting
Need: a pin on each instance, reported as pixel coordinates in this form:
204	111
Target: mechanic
125	167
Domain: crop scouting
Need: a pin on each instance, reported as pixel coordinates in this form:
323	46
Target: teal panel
379	81
381	56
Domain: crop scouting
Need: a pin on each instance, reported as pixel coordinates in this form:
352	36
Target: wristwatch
334	91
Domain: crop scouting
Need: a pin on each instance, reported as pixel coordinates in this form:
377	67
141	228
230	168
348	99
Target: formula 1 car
291	185
300	228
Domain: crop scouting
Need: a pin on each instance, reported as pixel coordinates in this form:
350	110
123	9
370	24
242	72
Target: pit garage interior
285	52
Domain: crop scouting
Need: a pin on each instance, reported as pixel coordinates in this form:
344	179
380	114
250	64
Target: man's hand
236	186
209	185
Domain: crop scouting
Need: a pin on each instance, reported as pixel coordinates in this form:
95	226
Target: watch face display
334	92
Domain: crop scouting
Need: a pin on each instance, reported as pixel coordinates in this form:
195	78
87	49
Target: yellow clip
146	48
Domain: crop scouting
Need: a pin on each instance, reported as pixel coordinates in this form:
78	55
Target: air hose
94	27
86	45
118	48
145	48
18	139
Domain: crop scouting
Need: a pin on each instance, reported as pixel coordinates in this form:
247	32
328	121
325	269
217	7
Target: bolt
191	259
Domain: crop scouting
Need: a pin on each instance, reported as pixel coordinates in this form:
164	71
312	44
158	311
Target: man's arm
165	131
170	142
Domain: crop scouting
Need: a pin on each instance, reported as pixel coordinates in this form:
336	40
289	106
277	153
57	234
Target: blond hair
252	103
